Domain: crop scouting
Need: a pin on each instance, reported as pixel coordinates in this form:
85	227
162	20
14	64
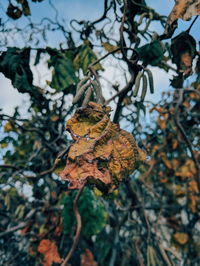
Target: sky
83	10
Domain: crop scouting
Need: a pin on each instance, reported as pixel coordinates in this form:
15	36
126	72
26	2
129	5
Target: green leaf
64	75
92	211
14	64
152	53
85	57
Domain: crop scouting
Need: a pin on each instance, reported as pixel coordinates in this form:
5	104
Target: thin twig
20	225
78	228
124	90
9	166
104	56
182	131
188	30
14	228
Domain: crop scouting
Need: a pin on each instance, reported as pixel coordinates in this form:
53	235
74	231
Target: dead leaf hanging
50	251
184	9
183	49
103	154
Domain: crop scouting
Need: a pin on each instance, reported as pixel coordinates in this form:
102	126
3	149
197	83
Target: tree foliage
140	204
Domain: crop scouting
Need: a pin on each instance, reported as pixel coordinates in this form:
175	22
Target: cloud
9	96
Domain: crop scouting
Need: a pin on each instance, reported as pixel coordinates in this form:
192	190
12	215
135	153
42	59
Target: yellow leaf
54	118
181	238
109	47
8	127
4	145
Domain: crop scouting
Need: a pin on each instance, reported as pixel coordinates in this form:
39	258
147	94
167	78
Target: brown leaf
103	153
184	9
193	193
87	259
77	172
49	249
82	146
183	48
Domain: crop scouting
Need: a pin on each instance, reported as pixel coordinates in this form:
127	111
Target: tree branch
78	228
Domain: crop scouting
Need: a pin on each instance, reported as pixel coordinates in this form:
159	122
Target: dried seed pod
80	92
150	77
81	83
98	92
137	84
142	17
144	87
87	96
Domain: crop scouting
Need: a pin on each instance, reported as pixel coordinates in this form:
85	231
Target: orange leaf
181	238
174	144
193	192
162	121
87	259
49	249
187	170
77	173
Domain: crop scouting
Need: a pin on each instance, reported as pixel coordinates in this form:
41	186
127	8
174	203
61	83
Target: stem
78	228
182	131
188	30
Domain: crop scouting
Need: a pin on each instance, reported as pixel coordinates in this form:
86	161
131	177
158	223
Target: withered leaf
184	9
87	259
181	238
50	251
183	50
102	154
77	172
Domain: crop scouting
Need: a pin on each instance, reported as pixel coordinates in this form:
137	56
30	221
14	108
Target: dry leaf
174	144
8	127
103	153
193	193
49	249
181	238
184	9
166	162
183	48
162	120
187	170
87	259
109	47
54	118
